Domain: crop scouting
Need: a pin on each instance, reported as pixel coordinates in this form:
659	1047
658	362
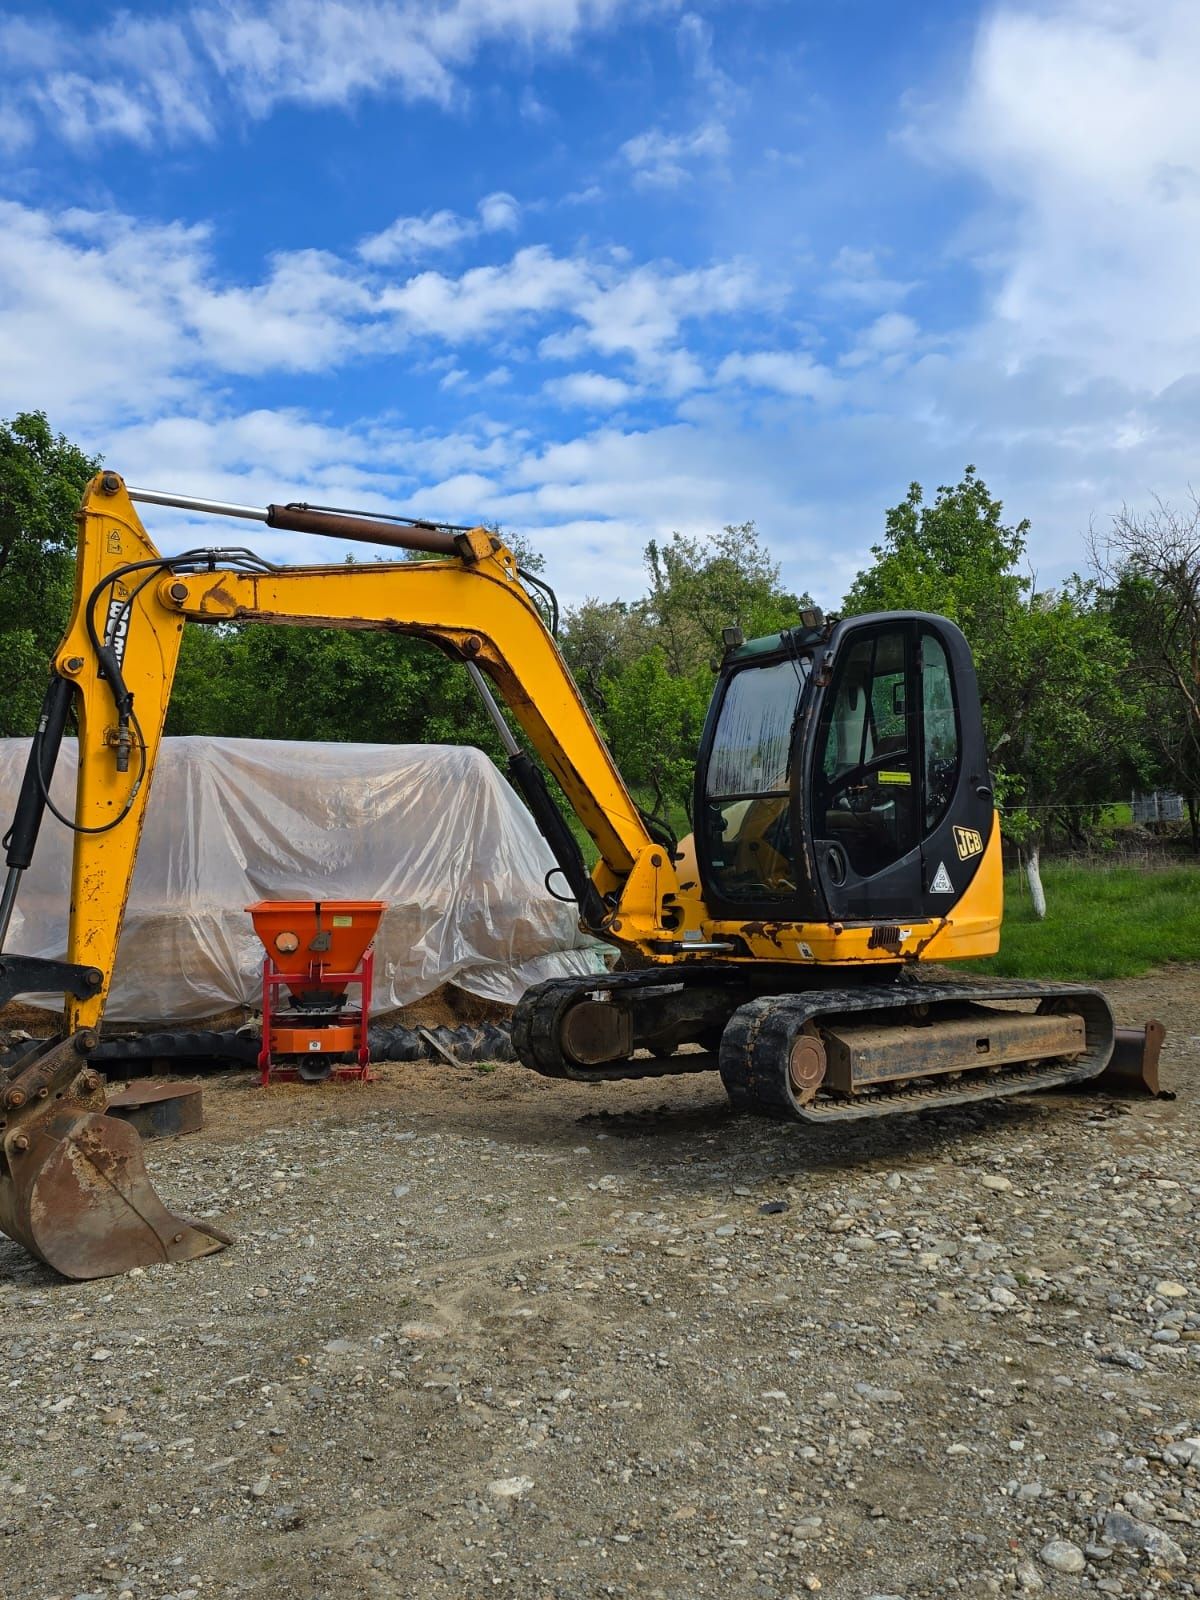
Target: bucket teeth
73	1183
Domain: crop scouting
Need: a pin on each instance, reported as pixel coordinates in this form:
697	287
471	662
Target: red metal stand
286	1032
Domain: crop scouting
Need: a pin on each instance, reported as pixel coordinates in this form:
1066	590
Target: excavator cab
842	774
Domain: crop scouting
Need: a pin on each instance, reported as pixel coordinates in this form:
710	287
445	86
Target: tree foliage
699	586
1149	569
955	557
258	682
42	478
654	719
646	667
1081	687
1060	725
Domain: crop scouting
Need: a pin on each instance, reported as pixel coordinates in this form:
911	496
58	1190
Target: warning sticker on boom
941	881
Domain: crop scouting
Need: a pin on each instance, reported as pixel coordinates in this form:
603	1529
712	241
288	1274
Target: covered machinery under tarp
435	831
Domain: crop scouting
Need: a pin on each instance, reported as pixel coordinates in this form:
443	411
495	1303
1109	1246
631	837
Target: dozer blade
73	1185
1133	1066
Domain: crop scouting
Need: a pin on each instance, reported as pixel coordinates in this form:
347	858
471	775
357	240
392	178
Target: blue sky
600	269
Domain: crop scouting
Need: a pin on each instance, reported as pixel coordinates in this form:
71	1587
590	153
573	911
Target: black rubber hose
39	769
527	776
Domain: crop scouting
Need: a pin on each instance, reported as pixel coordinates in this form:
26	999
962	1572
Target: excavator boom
73	1185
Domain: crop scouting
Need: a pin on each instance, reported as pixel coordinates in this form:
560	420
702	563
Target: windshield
747	818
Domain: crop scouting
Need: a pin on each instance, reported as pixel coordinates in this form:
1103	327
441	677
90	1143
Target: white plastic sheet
432	830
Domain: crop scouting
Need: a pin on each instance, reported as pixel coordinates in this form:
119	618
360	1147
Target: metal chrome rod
212	508
326	524
511	746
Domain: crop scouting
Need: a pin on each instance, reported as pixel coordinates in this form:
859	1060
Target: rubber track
537	1022
196	1048
756	1043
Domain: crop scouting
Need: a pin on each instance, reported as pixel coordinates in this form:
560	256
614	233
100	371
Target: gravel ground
485	1334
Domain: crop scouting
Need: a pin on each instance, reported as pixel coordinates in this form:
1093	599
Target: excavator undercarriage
824	1054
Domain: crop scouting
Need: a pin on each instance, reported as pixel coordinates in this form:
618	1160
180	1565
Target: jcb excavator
845	833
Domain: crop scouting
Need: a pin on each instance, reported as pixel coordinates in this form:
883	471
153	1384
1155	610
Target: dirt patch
483	1333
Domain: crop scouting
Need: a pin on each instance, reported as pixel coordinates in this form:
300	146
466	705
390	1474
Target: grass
1110	922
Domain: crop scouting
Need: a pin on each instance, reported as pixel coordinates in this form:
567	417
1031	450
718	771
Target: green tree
645	666
654	717
259	681
956	557
1060	722
700	586
602	639
1069	723
1149	567
265	682
42	479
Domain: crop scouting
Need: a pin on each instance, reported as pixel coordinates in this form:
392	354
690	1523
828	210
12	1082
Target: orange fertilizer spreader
316	950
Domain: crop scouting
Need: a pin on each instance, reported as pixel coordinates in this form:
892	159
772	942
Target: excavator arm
73	1187
122	646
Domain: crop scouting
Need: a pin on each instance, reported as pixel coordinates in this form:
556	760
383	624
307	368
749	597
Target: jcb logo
968	843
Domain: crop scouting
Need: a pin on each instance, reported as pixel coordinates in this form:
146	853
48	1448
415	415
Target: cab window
747	789
941	746
866	779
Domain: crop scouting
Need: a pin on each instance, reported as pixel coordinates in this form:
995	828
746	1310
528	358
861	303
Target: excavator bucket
73	1184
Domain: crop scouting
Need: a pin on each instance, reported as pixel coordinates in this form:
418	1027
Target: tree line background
1088	689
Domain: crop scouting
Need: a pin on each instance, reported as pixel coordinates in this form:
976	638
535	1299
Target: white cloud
82	302
637	312
790	372
482	299
592	391
663	160
27	45
76	285
137	79
304	317
694	36
16	129
410	238
532	109
104	316
857	277
499	213
641	313
889	337
158	79
1084	122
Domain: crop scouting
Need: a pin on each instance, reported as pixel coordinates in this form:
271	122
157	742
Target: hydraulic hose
31	802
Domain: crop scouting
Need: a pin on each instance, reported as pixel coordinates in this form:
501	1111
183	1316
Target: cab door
865	786
898	796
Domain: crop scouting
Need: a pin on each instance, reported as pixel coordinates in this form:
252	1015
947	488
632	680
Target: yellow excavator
845	834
